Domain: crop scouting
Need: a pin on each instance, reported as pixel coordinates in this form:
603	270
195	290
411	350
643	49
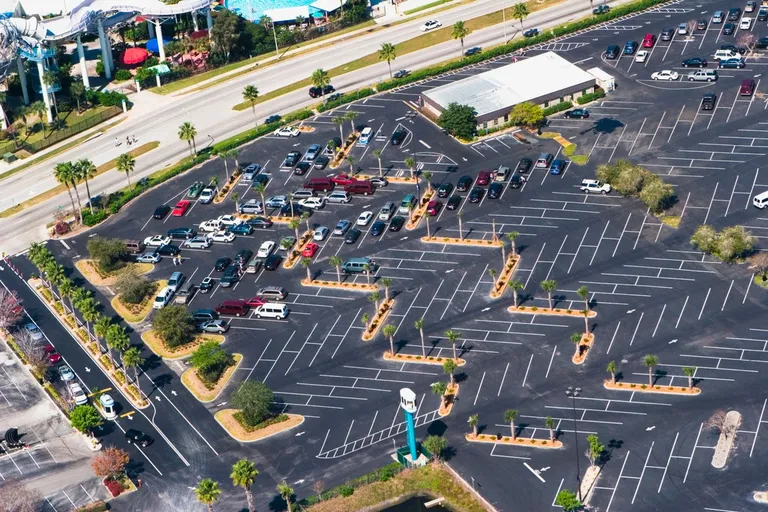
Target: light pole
573	393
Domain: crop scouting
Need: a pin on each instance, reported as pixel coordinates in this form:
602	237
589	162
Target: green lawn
426	6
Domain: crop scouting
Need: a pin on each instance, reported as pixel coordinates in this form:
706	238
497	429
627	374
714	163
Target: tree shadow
460	377
437	428
604	126
277	503
134	468
658	374
449	453
152	362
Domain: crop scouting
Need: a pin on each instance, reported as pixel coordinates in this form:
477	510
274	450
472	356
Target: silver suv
272	292
198	242
703	75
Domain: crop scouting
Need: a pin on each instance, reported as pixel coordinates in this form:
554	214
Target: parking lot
652	291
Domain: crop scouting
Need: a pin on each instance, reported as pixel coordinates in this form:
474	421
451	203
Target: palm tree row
339	121
510	416
243	475
97	326
70	174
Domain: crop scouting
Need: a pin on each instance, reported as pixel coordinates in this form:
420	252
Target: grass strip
418	43
106	166
59	150
426	6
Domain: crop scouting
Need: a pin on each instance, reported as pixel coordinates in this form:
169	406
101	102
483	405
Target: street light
573	393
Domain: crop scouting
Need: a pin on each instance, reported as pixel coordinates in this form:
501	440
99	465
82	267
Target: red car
310	249
484	177
342	179
53	356
181	208
256	301
649	40
433	208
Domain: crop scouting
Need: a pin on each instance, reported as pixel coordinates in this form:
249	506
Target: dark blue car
241	229
378	228
630	47
557	167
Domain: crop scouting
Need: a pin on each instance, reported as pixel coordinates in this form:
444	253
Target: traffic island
582	349
495	244
97	277
229	419
341	155
501	283
295	255
588	483
761	497
118	487
535	310
305	128
645	388
726	439
391	179
157	345
446	405
411	358
280	220
419	212
354	287
202	390
228	187
517	441
136	313
378	319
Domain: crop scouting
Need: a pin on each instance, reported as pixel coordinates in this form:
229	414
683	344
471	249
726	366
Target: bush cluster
174	325
560	107
133	288
105	98
729	245
592	96
108	253
378	475
123	74
91	219
115	488
631	180
211	361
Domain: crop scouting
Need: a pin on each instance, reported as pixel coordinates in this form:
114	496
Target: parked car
241	229
209	226
642	55
230	276
207	195
666	74
444	190
377	228
259	222
252	206
206	285
215	326
516	181
594	186
697	62
379	182
291	159
464	183
161	211
320	233
223	237
265	249
483	178
181	208
396	223
222	264
314	203
495	190
302	168
148	257
157	240
203	315
475	195
133	436
352	236
168	250
577	113
729	29
65	373
309	250
195	189
365	218
198	242
182	233
398	136
342	179
321	162
524	165
287	242
630	47
287	131
612	52
453	202
272	262
277	201
434	206
341	227
557	167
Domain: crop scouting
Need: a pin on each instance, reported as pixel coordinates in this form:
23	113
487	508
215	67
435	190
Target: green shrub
554	109
174	325
133	288
592	96
108	253
91	219
729	245
346	490
123	74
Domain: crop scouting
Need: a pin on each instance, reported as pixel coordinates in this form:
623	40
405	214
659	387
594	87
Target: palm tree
266	22
55	273
187	132
410	163
339	121
386	282
428	178
260	189
235	197
419	324
320	79
549	422
285	492
689	372
38	109
63	173
335	261
510	416
583	292
650	361
449	366
512	237
377	153
250	94
459	31
387	53
77	91
351	116
101	326
306	262
389	331
126	163
520	12
459	216
89	309
132	359
243	474
365	318
305	217
227	155
473	421
374	297
611	368
66	289
207	492
351	161
586	321
294	224
213	181
79	296
429	231
117	339
493	272
453	337
439	388
576	338
516	286
86	170
549	286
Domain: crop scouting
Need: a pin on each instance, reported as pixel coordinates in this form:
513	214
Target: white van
365	135
760	200
726	54
387	211
275	310
163	298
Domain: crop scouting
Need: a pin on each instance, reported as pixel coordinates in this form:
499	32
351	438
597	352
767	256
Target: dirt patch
226	418
98	278
195	386
157	345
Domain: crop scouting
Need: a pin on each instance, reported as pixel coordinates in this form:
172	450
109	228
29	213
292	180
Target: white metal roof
600	74
288	13
326	5
515	83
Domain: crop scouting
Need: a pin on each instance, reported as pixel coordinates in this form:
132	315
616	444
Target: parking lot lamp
573	393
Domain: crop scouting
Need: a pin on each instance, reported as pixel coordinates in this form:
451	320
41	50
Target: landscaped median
411	358
96	277
378	319
535	310
136	313
160	349
528	442
295	254
205	392
341	154
448	399
228	419
645	388
582	348
461	241
228	187
513	260
354	287
391	179
416	215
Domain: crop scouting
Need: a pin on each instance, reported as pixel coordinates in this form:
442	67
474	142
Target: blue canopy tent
153	47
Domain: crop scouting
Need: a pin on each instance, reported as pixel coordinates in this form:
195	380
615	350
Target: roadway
157	118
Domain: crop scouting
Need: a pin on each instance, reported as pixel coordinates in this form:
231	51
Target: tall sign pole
408	404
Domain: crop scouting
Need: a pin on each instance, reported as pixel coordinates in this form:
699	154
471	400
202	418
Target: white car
320	234
223	236
594	186
430	25
313	202
745	24
157	240
265	249
642	55
148	257
210	226
229	220
682	29
665	75
287	131
77	393
364	219
198	242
